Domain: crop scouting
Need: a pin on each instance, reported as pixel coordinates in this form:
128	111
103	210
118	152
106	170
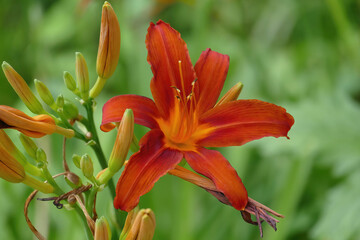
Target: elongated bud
10	169
36	184
69	81
102	229
231	95
82	76
123	141
41	156
130	219
76	160
143	227
44	93
86	166
22	89
109	48
70	110
29	145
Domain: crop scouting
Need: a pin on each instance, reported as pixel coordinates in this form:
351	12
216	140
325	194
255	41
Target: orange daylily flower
35	127
184	120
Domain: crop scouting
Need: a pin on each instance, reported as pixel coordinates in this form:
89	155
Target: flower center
182	123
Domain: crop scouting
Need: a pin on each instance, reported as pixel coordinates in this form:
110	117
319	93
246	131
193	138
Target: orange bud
102	229
109	43
22	89
36	127
143	226
10	169
231	95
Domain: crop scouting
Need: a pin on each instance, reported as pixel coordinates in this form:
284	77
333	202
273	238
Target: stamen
182	79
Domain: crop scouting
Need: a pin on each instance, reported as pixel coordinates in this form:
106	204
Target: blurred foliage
302	55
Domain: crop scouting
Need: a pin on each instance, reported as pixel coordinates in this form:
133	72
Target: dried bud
69	81
10	169
86	166
109	43
82	76
29	145
22	89
44	93
102	229
143	226
231	95
123	141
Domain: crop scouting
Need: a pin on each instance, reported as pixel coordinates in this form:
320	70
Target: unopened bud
69	81
10	169
82	76
70	110
76	160
22	89
44	93
73	178
143	227
102	229
60	101
86	166
41	156
123	141
231	95
29	145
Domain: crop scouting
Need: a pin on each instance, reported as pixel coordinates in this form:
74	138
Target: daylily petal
144	110
144	169
211	70
238	122
213	165
165	50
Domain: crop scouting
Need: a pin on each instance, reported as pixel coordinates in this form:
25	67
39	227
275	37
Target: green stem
99	85
90	200
83	219
51	180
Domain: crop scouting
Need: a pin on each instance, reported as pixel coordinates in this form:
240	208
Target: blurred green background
302	55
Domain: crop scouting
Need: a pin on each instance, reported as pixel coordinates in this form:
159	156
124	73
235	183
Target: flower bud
76	160
82	76
102	229
109	48
10	169
231	95
123	141
70	110
41	156
44	93
86	166
29	145
143	226
69	81
60	101
22	89
109	43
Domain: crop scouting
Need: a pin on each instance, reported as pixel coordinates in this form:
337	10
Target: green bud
86	166
41	156
70	110
44	93
82	76
76	160
60	101
29	145
69	81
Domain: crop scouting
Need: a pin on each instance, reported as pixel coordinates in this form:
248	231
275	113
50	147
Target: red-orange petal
144	110
144	169
165	50
213	165
238	122
211	70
